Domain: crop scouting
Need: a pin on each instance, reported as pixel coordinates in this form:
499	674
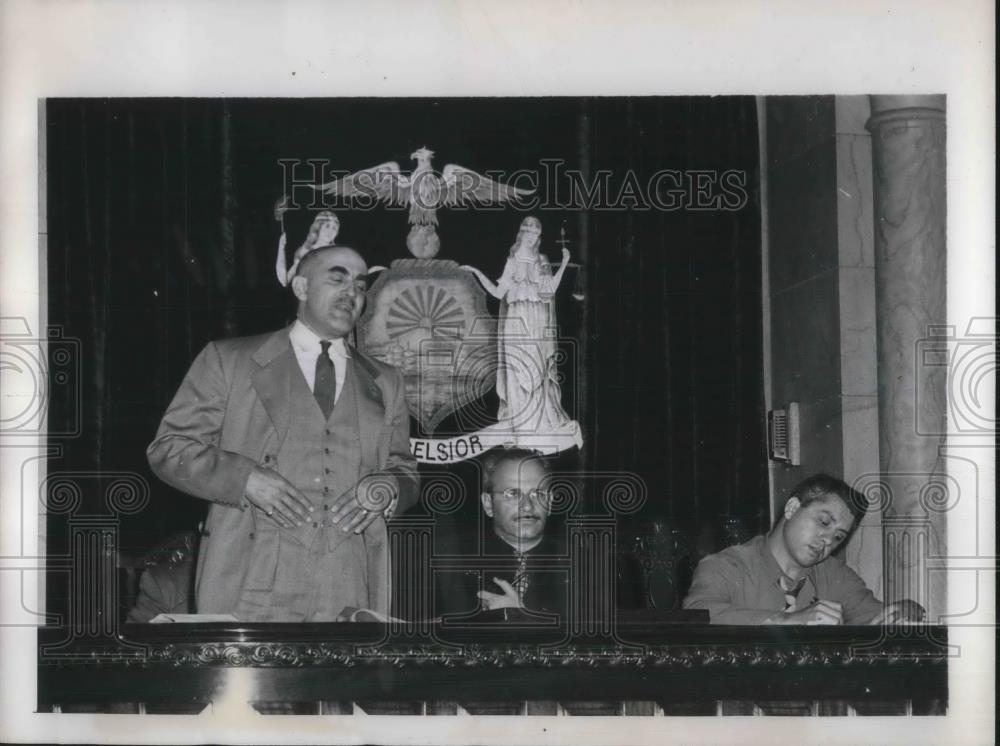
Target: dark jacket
547	568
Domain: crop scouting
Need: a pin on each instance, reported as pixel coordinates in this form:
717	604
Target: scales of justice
429	318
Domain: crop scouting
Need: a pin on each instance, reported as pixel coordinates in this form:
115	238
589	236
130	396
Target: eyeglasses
515	494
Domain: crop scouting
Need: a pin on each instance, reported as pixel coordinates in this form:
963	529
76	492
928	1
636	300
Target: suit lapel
273	384
273	380
371	407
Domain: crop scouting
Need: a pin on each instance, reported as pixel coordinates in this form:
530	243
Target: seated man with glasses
511	560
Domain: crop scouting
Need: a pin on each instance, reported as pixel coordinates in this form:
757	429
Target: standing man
789	576
301	443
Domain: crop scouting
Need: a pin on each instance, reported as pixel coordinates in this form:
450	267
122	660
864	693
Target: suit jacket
228	414
548	588
164	589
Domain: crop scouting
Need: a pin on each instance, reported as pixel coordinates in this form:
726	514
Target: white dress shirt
305	344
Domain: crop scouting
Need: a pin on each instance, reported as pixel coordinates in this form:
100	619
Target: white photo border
514	48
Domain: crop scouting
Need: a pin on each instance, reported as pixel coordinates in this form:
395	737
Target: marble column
858	356
908	150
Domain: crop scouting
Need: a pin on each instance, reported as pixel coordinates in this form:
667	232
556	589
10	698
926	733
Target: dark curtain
675	377
162	237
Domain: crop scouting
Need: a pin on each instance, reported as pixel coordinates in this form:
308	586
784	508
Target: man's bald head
313	255
330	285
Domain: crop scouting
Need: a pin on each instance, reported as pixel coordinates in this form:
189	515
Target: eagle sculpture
424	191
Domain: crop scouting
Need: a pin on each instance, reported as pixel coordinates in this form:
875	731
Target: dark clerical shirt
543	585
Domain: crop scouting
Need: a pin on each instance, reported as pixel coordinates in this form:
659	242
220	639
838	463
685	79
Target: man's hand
273	494
901	612
356	511
820	612
507	599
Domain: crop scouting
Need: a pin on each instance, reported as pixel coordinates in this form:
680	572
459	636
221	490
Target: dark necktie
325	384
792	588
522	579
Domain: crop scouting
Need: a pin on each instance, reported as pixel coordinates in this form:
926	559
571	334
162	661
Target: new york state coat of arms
429	318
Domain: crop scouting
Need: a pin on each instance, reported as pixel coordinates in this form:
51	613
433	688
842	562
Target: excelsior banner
452	450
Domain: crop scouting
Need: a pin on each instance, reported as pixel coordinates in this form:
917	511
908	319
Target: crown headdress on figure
309	245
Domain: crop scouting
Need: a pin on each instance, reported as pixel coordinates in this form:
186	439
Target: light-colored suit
245	403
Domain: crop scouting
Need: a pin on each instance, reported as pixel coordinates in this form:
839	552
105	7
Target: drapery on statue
323	232
527	381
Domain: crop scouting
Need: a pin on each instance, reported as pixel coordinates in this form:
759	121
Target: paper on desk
354	614
192	618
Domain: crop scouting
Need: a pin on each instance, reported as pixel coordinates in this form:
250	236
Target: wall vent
783	434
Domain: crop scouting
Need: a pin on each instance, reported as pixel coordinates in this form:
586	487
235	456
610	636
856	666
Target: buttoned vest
322	458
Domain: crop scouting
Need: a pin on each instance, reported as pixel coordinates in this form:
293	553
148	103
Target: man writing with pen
788	576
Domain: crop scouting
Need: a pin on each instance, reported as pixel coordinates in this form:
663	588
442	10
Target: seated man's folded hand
507	599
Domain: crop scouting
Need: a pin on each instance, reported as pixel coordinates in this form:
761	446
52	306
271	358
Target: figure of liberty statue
527	382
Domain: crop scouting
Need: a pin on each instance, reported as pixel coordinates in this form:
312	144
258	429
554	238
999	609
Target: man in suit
163	589
301	443
166	585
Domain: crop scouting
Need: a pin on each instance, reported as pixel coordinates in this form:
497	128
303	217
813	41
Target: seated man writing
512	567
788	576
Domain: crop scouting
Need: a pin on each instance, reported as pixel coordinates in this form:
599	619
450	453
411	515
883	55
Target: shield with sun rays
429	318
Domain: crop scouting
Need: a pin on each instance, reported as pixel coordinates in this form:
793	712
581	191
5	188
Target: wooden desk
645	668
